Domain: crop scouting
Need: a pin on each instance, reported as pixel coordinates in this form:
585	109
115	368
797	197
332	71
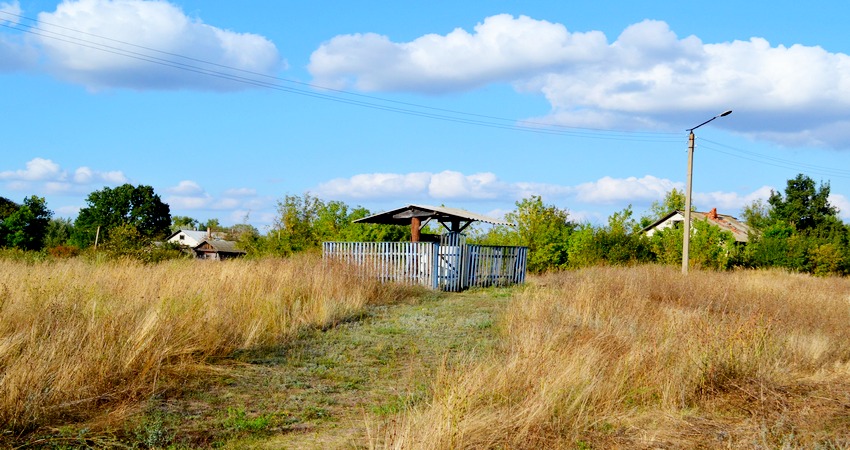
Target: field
295	354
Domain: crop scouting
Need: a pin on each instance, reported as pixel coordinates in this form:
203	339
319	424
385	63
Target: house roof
221	246
403	215
198	235
740	230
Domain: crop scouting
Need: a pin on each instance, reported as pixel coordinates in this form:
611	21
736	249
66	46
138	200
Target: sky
225	108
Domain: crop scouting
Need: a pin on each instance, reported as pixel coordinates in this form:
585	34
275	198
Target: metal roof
402	216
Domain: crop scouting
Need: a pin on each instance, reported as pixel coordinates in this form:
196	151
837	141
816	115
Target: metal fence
450	265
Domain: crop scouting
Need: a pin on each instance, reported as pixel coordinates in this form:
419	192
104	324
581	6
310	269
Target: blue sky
225	107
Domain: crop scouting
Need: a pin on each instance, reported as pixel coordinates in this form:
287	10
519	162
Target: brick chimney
209	233
713	213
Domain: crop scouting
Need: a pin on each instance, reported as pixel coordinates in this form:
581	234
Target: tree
26	227
59	231
137	206
545	230
183	223
804	207
7	207
756	214
673	201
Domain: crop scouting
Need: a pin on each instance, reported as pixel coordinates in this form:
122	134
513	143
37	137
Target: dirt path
323	389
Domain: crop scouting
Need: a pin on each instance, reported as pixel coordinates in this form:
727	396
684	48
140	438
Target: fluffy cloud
10	12
457	187
609	190
37	169
377	186
189	195
96	32
502	48
842	203
46	176
648	78
729	201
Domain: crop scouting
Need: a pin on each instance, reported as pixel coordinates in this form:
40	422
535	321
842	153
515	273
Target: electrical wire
772	160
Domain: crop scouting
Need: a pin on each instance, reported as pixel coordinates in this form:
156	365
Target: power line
362	100
774	161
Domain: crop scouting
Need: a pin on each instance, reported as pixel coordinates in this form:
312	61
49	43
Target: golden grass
646	358
78	339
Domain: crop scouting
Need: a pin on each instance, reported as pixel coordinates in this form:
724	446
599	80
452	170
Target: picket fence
449	265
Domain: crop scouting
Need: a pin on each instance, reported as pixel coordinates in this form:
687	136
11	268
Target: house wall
184	239
671	221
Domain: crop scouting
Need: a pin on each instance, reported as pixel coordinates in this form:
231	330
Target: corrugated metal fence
450	265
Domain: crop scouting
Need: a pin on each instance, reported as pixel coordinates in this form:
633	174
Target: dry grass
81	339
646	358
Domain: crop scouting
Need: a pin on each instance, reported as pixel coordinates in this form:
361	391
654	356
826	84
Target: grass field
646	358
295	354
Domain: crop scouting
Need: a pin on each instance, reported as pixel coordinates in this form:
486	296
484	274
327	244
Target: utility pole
686	239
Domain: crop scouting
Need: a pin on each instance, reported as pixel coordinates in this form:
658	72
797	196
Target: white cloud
480	186
46	176
452	185
185	187
842	203
609	190
85	175
501	48
189	195
10	12
37	169
158	25
729	202
648	78
377	186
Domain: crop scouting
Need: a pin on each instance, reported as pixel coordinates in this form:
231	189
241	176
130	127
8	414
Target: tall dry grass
77	337
646	358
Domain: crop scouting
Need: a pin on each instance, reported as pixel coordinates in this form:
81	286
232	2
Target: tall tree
804	206
108	208
26	227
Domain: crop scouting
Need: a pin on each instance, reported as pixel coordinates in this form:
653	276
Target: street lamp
686	241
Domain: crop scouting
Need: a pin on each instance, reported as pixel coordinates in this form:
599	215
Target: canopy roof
458	219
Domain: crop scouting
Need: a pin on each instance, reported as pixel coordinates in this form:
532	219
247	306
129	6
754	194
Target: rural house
206	244
739	230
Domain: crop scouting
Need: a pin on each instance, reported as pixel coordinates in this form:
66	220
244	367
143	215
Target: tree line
797	229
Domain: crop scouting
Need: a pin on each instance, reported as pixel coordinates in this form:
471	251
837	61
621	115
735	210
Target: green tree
59	231
7	207
757	214
673	201
108	208
183	223
26	227
805	207
545	230
712	248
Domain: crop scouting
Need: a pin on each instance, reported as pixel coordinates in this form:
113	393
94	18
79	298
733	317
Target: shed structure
446	263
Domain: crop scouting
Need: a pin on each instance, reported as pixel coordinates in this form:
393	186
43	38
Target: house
217	249
739	230
193	238
206	244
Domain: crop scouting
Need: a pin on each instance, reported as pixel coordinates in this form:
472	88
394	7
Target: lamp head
724	114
